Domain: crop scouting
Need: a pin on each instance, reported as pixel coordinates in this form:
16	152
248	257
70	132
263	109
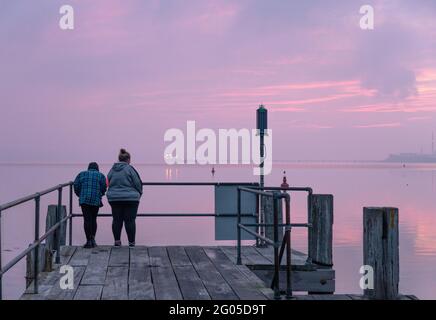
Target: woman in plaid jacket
90	186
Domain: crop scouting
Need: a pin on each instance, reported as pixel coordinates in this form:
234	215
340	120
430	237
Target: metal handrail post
288	247
70	221
36	251
276	204
239	260
59	218
1	275
310	223
259	221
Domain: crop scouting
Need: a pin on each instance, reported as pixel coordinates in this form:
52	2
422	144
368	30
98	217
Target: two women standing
124	192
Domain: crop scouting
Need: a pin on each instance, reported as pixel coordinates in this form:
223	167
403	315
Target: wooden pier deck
191	273
176	273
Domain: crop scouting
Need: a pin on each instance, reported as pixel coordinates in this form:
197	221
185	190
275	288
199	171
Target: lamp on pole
262	126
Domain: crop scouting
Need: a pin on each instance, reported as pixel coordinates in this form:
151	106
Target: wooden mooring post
321	233
381	252
46	249
52	218
268	214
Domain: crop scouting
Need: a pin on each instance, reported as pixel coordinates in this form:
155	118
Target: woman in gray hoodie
124	193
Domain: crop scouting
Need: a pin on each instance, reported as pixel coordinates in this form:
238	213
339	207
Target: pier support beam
321	233
381	251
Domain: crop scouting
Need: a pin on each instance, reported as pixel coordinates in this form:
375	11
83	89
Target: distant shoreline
327	163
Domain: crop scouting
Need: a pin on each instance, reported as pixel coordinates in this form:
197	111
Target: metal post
276	288
1	275
239	260
309	229
259	242
261	126
58	232
288	249
36	259
70	225
262	155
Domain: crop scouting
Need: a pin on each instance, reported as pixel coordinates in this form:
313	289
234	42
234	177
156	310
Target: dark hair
93	166
124	156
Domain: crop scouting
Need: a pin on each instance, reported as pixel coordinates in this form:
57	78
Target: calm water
412	189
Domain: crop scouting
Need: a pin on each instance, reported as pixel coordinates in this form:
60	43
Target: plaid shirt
90	186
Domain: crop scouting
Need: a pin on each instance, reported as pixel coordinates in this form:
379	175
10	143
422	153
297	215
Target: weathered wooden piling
321	233
268	213
46	249
44	263
381	251
52	218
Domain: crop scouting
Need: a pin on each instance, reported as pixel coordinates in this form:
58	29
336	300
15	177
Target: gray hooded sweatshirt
124	183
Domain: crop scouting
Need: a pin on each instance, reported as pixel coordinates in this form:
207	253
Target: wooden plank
88	293
262	286
140	283
321	281
214	282
67	253
42	294
115	287
46	281
165	284
95	273
80	257
190	284
56	293
139	257
178	256
303	297
119	257
297	258
231	253
159	257
245	289
331	297
254	255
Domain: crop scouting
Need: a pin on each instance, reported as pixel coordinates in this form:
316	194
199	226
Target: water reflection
411	189
169	173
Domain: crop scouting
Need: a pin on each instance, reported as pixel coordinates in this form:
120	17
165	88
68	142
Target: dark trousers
90	220
124	212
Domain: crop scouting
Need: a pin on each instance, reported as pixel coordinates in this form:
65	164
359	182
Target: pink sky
132	69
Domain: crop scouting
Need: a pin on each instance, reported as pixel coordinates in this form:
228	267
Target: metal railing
37	238
279	246
35	246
